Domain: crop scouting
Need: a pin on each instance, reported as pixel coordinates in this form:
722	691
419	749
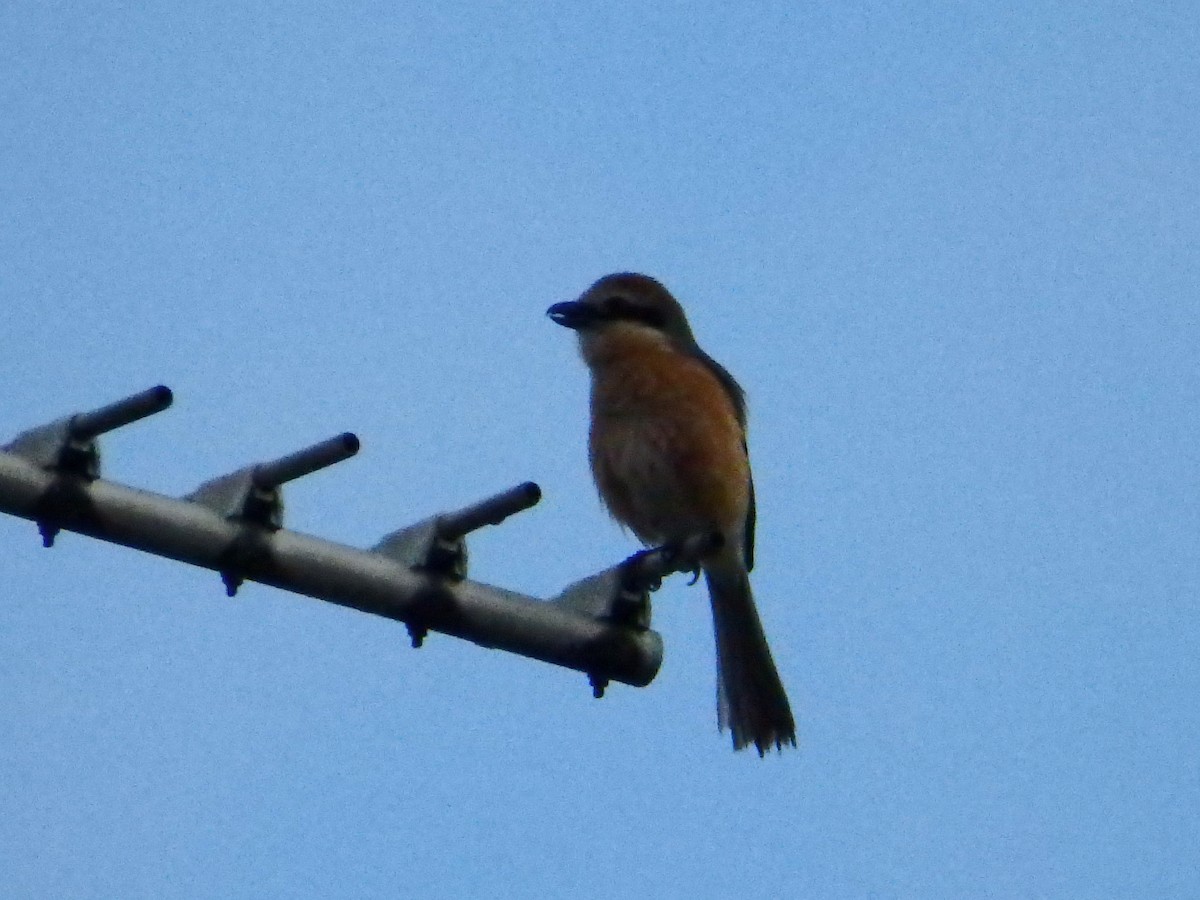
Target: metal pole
268	476
89	425
371	582
491	511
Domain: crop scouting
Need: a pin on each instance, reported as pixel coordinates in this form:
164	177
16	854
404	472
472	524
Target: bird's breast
667	449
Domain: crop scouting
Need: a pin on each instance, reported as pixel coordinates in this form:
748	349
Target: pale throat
621	342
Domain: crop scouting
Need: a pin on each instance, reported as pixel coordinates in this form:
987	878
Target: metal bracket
253	497
438	545
621	594
68	446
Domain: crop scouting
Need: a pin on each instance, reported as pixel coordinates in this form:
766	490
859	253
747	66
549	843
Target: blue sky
950	252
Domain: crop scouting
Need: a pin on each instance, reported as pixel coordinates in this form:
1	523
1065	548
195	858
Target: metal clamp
253	497
621	594
68	446
438	545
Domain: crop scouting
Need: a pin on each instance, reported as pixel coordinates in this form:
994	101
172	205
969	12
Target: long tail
751	700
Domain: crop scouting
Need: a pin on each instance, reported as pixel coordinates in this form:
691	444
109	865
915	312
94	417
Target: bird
668	452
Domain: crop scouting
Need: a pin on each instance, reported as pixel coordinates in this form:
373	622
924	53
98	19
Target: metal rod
88	425
492	511
358	579
270	475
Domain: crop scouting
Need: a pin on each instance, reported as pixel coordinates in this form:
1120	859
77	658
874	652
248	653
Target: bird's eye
618	307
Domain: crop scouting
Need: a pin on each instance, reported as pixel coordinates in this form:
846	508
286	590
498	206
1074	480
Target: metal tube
492	511
270	475
88	425
358	579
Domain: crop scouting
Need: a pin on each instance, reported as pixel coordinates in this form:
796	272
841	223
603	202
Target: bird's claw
674	554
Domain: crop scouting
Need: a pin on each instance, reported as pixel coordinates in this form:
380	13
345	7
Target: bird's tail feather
751	700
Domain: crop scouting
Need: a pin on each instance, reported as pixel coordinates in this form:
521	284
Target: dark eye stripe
621	308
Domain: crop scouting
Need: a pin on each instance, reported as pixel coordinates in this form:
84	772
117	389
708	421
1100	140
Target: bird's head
624	310
625	301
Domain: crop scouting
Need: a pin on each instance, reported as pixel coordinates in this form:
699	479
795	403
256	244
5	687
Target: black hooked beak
573	314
